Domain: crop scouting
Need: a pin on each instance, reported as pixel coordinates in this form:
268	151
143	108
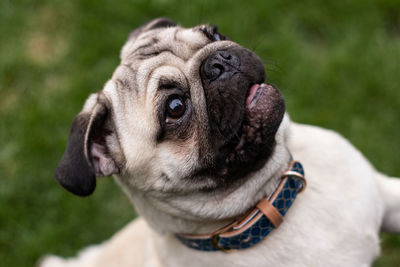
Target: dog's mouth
254	93
264	110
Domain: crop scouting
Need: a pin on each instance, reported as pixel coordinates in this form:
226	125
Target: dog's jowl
202	145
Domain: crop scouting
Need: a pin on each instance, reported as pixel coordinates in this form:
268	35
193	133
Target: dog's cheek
177	160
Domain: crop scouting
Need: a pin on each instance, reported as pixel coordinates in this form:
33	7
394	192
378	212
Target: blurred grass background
337	63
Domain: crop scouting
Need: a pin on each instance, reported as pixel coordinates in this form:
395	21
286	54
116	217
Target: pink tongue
252	93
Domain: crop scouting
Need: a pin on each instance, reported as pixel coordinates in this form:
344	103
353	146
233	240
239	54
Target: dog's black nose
220	65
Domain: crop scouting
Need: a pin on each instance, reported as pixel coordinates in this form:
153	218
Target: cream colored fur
334	222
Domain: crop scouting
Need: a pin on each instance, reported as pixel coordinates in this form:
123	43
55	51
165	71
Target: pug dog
215	168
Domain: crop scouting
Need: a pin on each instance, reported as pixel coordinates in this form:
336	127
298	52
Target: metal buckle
215	242
297	176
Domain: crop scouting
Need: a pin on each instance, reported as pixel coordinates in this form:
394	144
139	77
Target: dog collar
257	223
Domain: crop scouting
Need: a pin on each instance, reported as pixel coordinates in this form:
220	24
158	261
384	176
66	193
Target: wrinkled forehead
166	57
180	42
172	54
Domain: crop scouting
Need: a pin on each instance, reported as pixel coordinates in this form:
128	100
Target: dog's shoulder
131	246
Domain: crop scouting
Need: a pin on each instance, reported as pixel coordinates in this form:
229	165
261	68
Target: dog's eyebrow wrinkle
128	66
175	38
120	84
168	84
168	50
155	53
123	84
195	47
141	48
152	42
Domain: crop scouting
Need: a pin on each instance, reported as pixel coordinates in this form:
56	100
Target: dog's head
186	110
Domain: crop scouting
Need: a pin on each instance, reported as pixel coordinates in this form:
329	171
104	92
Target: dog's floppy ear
86	155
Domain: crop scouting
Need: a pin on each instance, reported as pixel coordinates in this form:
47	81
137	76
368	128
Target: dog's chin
254	143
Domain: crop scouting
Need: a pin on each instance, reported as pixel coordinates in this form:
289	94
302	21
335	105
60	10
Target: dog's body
178	182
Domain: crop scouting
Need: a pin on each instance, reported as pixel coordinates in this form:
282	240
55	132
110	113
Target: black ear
151	25
86	155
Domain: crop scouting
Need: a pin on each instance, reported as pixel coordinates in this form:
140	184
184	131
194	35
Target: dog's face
185	111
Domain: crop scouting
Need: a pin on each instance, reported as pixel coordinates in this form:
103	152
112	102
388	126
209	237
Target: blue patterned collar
257	223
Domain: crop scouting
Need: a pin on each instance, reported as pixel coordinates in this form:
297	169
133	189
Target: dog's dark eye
175	108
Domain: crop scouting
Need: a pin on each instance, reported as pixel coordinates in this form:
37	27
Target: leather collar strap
257	223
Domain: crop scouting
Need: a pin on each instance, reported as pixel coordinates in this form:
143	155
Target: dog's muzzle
243	112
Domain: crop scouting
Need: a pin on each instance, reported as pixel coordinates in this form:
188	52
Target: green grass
337	63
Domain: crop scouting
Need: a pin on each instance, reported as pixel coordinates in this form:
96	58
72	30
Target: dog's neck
200	213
